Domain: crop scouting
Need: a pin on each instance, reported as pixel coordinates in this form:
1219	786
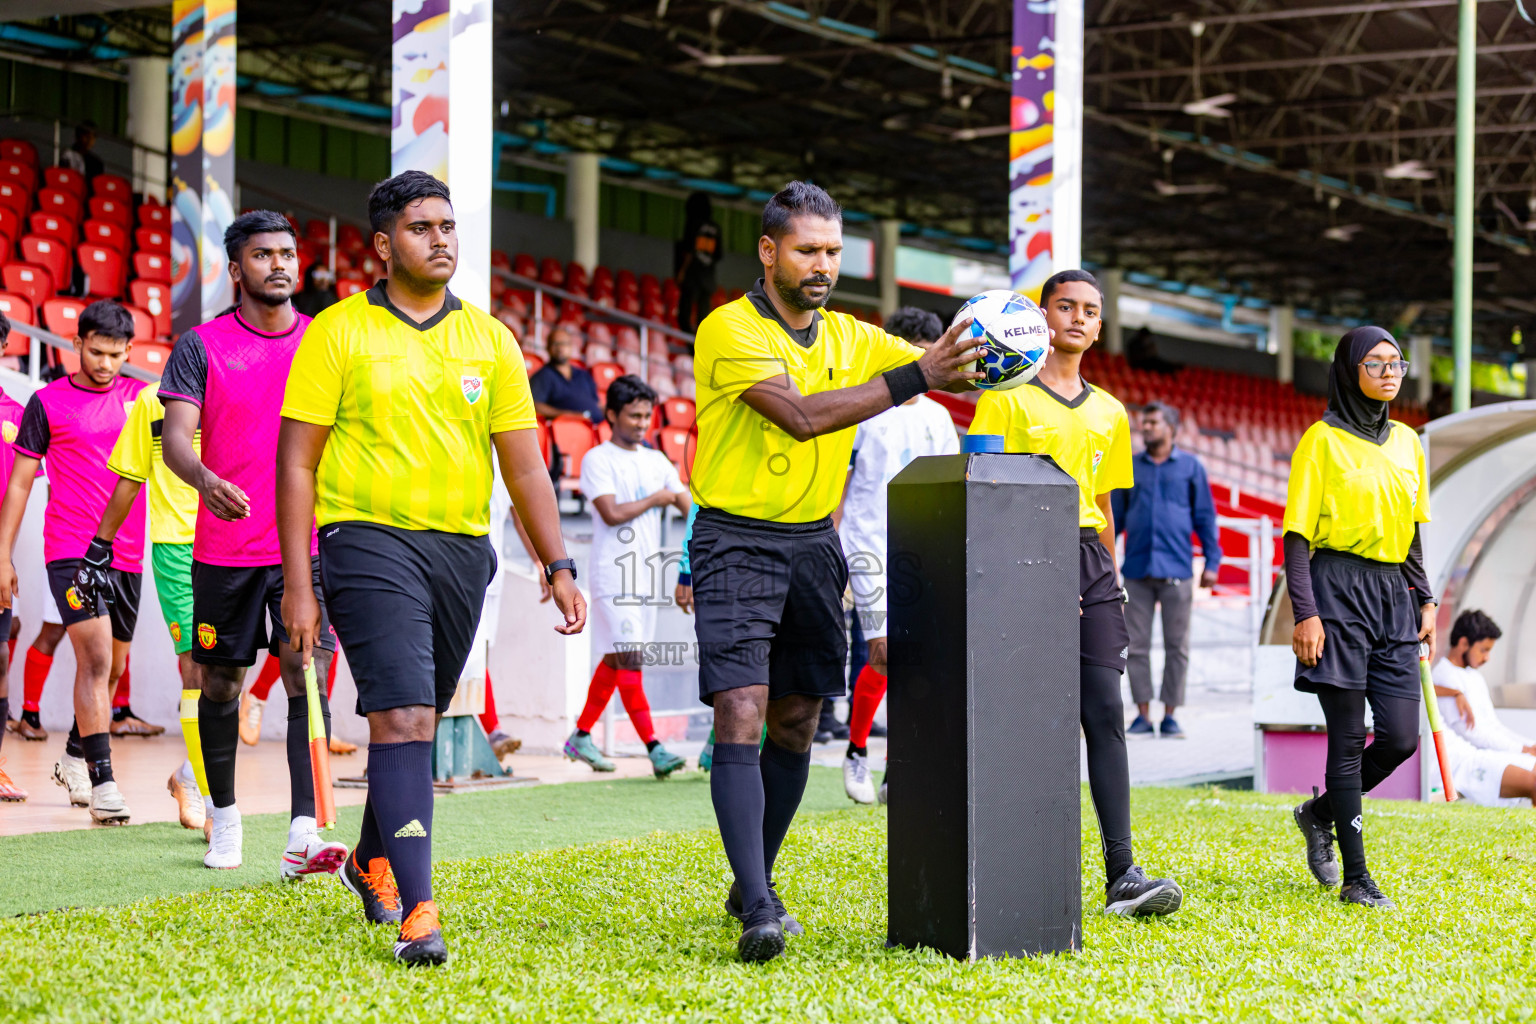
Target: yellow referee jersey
745	464
137	456
1348	494
411	408
1089	437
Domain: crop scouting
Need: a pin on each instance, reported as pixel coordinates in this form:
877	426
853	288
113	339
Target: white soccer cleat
856	781
308	854
224	845
107	805
70	773
189	802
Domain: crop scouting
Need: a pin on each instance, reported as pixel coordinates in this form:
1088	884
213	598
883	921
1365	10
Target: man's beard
268	298
793	295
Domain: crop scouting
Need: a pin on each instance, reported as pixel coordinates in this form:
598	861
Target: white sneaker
885	793
70	773
308	854
228	837
107	805
189	802
856	781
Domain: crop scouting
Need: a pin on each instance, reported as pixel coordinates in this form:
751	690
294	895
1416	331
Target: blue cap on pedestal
977	444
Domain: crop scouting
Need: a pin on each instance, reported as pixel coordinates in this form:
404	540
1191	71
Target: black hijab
1348	407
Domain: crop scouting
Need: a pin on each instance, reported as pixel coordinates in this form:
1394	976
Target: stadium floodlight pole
1466	143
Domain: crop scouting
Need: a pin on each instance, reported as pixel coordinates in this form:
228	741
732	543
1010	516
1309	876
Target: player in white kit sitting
882	447
628	485
1490	764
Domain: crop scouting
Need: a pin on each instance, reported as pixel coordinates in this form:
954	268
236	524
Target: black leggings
1354	768
1109	775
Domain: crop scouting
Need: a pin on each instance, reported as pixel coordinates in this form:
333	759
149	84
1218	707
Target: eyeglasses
1377	368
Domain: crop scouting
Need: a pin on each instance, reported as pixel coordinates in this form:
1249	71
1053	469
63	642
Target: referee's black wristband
906	383
685	579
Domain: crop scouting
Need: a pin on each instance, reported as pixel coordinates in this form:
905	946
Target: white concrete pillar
1421	348
1282	342
581	197
149	119
1111	281
885	266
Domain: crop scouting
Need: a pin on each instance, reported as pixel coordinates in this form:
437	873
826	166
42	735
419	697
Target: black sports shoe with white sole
1133	894
786	920
762	937
1320	858
1365	893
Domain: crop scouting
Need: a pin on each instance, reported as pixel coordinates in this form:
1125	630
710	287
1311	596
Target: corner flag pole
319	752
1436	725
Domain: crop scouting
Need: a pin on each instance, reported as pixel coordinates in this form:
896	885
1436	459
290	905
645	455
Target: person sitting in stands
1490	763
562	388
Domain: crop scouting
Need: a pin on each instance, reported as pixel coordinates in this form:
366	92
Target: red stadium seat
317	231
350	236
524	265
60	202
533	361
105	232
143	331
574	437
50	253
103	269
500	260
149	355
62	316
19	171
110	186
15	198
349	287
154	297
66	178
604	374
153	216
546	448
152	240
679	412
12	226
51	225
31	280
551	272
113	209
18	149
18	309
604	432
152	266
676	447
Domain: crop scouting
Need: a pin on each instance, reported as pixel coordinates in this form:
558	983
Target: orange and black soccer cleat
9	791
421	938
375	887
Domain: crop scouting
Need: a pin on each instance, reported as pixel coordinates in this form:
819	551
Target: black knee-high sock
72	741
1349	823
1109	773
98	756
5	716
301	779
218	726
400	793
369	845
784	773
1344	711
736	789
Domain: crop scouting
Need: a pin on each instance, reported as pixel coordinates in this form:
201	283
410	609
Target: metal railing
597	311
41	338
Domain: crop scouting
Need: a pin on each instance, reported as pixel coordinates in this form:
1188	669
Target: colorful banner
1045	143
419	87
186	187
218	151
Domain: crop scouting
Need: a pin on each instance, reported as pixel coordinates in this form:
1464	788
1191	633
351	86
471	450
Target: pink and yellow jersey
74	429
236	375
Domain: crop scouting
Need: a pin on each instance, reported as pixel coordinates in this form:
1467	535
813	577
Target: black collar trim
765	308
1082	396
377	296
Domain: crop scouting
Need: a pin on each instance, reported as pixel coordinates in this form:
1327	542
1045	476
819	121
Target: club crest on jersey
1098	457
207	636
72	598
473	388
176	632
8	431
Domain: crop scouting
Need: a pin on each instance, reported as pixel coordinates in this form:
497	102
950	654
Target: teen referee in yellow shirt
1084	429
781	385
1354	568
395	402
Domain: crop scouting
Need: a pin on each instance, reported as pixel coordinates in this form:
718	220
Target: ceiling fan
1200	106
1343	232
717	60
1409	170
1198	188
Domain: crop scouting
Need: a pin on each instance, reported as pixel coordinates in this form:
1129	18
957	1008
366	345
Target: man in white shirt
1490	764
882	447
628	486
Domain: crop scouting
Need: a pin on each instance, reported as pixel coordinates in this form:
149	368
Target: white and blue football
1013	333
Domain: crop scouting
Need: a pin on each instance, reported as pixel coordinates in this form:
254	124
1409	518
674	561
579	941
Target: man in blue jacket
1171	501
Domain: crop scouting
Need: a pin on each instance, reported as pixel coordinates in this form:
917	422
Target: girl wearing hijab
1355	570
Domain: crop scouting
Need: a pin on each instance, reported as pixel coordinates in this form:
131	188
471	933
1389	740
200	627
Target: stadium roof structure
1295	152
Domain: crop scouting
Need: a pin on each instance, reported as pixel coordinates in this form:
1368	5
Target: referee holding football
781	385
396	398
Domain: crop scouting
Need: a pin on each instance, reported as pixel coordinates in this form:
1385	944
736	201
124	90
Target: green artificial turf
632	930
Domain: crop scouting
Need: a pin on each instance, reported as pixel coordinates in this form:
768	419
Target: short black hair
254	222
106	318
794	199
1169	413
5	327
392	195
626	389
1475	626
1062	277
912	324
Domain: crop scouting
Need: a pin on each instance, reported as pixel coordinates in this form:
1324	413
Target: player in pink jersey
10	425
227	377
74	422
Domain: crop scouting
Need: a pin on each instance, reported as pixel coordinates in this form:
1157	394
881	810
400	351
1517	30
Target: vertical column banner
471	155
1045	141
218	151
419	87
186	186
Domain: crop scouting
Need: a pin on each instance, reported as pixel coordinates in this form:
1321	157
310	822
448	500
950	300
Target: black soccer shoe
421	938
762	937
1133	894
1365	893
375	887
1320	859
734	908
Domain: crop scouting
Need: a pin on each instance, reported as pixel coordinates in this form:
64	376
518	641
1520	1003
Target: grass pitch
632	930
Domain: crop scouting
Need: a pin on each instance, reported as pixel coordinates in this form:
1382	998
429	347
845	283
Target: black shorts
406	605
231	605
1102	636
768	605
124	609
1370	627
